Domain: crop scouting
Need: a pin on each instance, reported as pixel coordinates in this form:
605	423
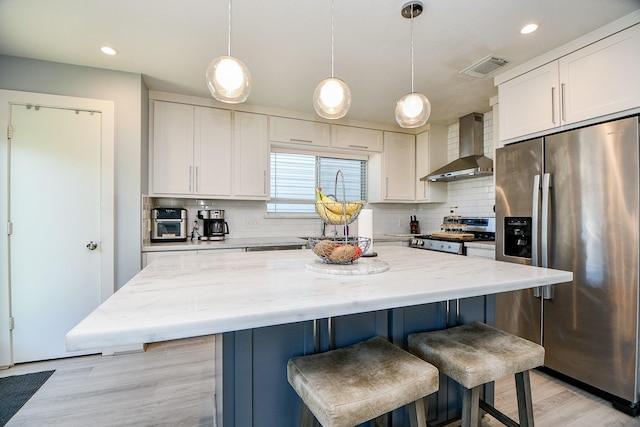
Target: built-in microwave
168	225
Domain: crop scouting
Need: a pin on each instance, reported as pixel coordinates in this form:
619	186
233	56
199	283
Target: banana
330	217
337	207
353	207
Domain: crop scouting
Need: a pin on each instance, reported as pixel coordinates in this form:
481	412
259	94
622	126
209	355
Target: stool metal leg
525	404
306	417
471	407
418	412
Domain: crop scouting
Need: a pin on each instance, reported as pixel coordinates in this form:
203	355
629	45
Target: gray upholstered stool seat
476	354
351	385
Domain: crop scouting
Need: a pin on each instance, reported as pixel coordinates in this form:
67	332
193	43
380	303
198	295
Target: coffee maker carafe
214	227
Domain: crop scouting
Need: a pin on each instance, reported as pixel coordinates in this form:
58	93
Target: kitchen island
266	307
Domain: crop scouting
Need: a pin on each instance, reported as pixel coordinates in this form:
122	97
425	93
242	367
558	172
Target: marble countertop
183	296
247	242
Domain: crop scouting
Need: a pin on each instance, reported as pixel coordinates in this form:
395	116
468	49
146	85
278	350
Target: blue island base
253	390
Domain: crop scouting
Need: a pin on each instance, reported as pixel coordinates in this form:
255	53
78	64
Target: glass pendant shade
332	98
413	110
228	80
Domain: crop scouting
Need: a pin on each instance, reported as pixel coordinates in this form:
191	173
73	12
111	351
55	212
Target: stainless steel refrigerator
570	201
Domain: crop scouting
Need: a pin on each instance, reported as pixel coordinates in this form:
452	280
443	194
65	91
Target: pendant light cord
412	48
332	26
229	34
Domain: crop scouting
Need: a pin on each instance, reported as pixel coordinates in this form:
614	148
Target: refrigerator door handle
535	212
547	292
544	224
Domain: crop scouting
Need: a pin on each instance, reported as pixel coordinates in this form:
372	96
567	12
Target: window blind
295	175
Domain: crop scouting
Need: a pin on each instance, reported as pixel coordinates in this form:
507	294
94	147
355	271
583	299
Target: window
295	175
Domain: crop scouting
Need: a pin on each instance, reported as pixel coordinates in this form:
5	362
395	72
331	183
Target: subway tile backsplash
246	219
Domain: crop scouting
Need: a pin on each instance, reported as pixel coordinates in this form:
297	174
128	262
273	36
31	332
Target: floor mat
17	390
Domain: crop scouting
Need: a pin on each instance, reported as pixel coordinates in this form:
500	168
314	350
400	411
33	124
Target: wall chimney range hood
472	162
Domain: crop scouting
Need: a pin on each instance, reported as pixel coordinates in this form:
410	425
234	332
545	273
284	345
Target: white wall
130	95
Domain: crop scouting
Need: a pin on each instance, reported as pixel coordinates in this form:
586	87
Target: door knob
92	245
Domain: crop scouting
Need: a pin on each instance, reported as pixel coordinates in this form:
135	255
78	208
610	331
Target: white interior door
55	213
59	184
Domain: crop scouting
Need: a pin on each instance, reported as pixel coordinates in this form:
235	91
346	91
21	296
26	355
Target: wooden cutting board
453	235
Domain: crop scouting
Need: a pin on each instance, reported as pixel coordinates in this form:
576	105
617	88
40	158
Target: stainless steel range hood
472	162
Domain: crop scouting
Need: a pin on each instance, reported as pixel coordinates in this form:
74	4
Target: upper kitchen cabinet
597	80
296	131
354	138
601	78
250	156
392	173
197	152
529	103
190	150
431	154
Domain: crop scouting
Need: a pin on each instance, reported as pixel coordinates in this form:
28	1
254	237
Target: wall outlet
402	222
252	224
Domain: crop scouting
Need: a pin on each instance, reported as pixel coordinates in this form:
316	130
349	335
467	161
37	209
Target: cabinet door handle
190	177
196	178
562	102
386	187
264	181
553	105
359	146
308	141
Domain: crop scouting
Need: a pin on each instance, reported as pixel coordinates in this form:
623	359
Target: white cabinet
431	154
250	156
190	150
195	151
212	152
296	131
172	148
392	172
354	138
601	78
481	250
597	80
529	103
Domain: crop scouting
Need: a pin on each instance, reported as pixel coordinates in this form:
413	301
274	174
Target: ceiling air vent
485	66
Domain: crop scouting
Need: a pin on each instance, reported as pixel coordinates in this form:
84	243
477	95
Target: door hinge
9	131
11	323
9	228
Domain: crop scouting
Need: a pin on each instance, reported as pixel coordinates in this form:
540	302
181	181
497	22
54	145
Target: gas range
474	229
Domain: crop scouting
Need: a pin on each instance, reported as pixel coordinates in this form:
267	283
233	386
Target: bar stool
476	354
351	385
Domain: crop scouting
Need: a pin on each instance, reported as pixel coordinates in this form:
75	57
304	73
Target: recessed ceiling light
108	50
529	28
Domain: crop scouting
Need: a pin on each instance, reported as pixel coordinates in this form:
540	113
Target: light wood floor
172	384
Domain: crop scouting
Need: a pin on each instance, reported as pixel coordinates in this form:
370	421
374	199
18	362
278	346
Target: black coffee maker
214	227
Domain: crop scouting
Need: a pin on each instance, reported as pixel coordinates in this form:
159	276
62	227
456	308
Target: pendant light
413	109
332	97
228	79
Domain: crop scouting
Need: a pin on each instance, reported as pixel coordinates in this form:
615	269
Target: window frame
316	154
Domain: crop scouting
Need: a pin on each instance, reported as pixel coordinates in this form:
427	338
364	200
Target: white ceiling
286	44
